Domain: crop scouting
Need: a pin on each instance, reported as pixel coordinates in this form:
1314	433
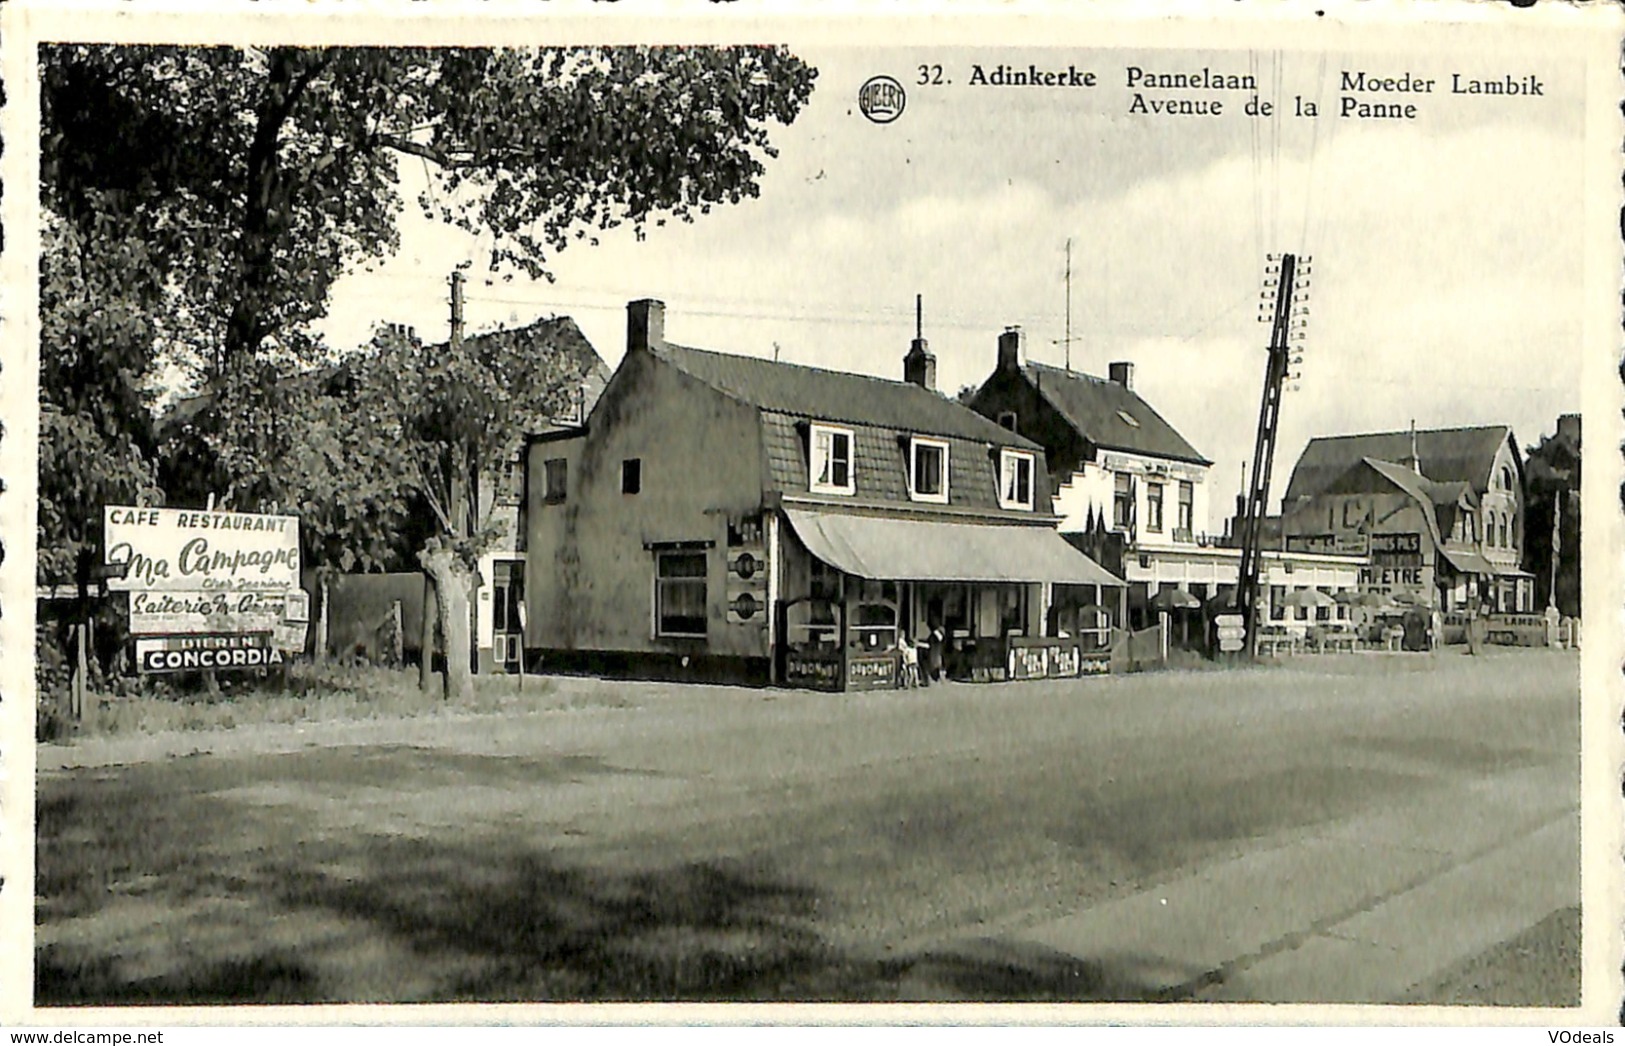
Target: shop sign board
817	673
871	673
208	590
283	615
199	652
190	550
1027	662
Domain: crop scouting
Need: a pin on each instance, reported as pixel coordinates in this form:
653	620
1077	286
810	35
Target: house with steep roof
1132	491
727	517
498	631
358	600
1440	512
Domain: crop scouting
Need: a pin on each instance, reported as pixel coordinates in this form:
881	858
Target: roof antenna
919	317
1066	341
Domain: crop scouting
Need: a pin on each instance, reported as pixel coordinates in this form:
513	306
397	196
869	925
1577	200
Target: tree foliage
260	174
203	201
1552	511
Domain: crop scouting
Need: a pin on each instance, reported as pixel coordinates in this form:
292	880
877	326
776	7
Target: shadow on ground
153	890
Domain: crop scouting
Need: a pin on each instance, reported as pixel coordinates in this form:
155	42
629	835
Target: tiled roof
827	395
559	336
1430	497
1095	408
880	465
1462	455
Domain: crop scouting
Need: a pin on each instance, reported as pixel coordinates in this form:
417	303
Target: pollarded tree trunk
453	584
426	636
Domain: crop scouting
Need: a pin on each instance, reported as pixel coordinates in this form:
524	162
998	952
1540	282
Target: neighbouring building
1440	512
1134	493
731	518
362	602
498	636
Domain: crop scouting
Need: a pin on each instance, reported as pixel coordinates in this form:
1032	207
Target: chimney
1568	428
645	324
919	366
1414	462
1121	373
1011	353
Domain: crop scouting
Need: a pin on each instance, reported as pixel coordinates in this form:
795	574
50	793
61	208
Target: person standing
910	656
933	654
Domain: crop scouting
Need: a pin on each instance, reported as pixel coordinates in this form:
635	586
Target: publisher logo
881	99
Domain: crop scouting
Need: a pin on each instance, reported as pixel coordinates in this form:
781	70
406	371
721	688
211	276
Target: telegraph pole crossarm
1269	413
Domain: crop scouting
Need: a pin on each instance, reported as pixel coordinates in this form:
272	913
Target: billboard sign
208	590
190	550
196	653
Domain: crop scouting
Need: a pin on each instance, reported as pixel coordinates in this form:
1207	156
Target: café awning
1468	562
884	548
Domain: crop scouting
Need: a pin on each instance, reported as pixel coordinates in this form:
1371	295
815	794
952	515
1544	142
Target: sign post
208	590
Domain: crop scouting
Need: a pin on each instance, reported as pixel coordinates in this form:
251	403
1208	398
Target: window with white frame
1122	499
928	470
1016	479
830	467
1153	507
680	594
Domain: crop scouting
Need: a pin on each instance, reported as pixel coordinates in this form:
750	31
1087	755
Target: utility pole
1286	324
456	310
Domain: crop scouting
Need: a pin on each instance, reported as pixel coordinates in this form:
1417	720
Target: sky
1446	250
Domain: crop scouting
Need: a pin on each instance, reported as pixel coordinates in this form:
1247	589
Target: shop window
874	616
830	464
1122	500
1187	516
555	471
1016	479
680	594
1012	610
928	470
631	475
1153	507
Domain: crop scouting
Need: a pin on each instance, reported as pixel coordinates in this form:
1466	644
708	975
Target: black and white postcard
780	515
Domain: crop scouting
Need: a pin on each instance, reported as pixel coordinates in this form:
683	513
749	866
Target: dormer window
928	470
1016	479
830	467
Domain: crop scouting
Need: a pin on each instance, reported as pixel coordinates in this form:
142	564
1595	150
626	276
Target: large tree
217	194
446	434
276	168
1552	514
